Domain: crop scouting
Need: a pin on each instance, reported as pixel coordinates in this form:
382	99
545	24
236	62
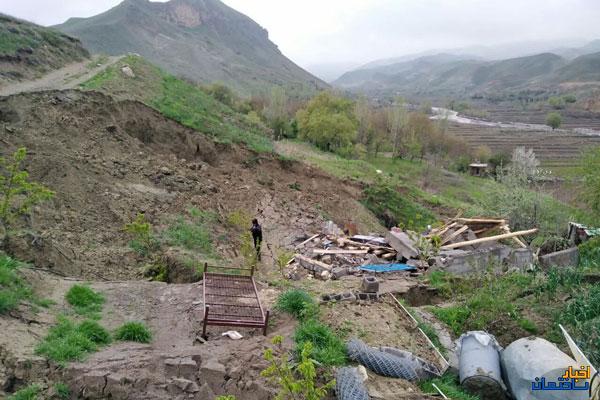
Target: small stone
127	71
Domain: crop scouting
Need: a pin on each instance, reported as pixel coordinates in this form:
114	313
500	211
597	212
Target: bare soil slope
108	160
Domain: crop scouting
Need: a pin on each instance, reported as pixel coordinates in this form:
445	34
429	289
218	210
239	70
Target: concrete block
402	244
338	272
565	258
370	284
521	258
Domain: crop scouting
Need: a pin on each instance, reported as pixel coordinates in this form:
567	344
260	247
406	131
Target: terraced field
554	149
573	118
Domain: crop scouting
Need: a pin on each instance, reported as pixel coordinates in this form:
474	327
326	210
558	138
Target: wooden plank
304	261
481	220
518	241
388	256
455	234
308	240
488	239
440	232
339	251
371	246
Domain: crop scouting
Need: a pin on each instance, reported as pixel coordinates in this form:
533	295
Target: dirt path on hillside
67	77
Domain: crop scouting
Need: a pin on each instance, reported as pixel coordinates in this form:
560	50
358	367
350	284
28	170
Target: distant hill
28	50
445	74
583	69
202	40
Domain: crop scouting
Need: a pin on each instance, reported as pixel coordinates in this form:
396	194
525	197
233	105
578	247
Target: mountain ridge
201	40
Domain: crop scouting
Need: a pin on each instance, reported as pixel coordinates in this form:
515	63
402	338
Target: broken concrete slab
403	244
521	258
564	258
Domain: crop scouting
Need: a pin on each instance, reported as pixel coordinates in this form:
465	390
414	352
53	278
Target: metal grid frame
232	300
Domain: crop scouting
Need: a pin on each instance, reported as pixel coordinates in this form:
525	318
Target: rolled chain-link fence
349	385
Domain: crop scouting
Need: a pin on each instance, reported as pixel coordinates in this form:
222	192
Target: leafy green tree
556	102
328	122
590	171
553	120
17	193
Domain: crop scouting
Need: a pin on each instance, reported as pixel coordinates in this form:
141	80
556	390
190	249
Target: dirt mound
108	160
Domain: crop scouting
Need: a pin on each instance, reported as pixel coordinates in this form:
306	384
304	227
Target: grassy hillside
184	102
410	194
28	50
428	193
205	41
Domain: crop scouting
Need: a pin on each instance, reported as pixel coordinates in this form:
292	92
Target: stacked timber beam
463	232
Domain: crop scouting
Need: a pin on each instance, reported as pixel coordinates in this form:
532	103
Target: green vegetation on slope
184	102
518	304
30	49
13	289
422	189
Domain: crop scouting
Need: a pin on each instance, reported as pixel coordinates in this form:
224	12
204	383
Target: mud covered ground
109	160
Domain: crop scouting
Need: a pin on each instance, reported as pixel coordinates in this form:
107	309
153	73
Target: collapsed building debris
461	245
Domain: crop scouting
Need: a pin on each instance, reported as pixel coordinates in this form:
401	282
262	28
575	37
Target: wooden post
205	322
266	323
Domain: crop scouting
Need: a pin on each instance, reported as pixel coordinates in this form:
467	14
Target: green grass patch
133	332
62	390
13	288
328	348
589	253
190	235
68	341
31	392
449	385
297	303
85	300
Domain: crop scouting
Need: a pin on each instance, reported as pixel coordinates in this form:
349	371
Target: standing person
256	236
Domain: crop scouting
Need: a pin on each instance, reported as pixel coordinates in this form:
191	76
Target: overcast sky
358	31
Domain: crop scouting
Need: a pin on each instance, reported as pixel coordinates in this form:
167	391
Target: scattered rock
127	71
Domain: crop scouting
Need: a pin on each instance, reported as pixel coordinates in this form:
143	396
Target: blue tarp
387	267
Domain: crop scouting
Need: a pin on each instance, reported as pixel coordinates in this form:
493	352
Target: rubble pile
460	245
332	255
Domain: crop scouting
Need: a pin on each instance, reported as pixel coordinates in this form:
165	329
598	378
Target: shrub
297	303
327	348
85	300
133	332
298	383
143	241
17	192
29	393
553	120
